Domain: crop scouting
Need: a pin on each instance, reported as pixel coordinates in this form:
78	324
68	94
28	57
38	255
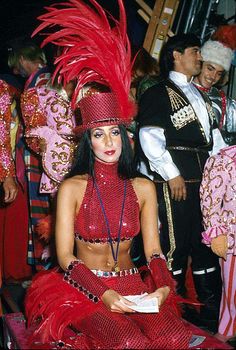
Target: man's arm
153	143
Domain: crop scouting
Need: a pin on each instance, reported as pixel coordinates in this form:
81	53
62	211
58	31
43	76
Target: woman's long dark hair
84	157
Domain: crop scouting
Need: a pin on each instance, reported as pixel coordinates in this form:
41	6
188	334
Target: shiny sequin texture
218	198
90	225
7	167
49	120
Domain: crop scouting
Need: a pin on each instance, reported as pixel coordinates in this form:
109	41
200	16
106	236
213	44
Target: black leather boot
208	286
179	276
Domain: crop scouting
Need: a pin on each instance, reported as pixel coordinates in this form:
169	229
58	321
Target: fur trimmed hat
215	52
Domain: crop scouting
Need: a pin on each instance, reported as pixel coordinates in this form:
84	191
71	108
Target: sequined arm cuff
79	276
160	274
213	232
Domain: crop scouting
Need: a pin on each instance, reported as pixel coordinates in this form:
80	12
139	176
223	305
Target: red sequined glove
160	274
80	277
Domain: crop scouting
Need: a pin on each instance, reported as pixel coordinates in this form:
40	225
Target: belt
121	273
203	272
183	148
177	272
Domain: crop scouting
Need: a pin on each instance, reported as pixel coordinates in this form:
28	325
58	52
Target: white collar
179	78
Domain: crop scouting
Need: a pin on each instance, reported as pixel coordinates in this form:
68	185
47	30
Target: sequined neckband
105	170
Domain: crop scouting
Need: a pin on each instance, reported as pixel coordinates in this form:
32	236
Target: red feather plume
95	48
56	310
226	34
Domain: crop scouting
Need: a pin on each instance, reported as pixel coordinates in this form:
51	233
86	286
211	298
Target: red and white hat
220	49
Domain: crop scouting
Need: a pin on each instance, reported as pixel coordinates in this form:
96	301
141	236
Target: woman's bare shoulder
143	184
74	184
144	189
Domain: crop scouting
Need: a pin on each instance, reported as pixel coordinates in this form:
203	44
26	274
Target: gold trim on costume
183	112
170	226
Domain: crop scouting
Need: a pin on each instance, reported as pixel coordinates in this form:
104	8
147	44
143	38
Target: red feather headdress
95	49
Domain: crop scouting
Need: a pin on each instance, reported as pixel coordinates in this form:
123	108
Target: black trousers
180	230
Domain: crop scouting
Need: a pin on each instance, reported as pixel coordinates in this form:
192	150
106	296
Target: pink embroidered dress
48	116
218	197
218	204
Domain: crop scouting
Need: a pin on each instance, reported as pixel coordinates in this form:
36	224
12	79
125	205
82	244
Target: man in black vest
176	134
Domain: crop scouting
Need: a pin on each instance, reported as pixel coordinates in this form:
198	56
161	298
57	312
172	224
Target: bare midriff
99	257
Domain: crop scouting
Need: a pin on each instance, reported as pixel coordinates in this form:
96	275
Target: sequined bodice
90	224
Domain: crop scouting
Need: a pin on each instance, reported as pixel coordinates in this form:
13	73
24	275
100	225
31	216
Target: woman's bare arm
146	192
149	228
70	195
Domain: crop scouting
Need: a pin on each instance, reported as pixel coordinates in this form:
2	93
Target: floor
12	297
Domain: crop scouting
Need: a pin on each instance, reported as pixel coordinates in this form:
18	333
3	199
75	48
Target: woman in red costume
101	208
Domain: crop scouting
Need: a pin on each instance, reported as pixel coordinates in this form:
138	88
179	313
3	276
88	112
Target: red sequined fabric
160	274
7	167
80	277
33	114
90	224
50	311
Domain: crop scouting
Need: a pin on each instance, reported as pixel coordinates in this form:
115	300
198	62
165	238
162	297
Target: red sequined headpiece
95	49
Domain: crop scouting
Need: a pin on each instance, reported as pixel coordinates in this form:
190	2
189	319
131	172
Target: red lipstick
110	153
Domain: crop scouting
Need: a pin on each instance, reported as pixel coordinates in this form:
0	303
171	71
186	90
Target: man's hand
10	189
115	302
219	246
178	188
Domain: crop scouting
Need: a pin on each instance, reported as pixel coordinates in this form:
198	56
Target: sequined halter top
90	224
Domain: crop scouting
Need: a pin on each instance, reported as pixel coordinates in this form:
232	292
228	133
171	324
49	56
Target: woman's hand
115	302
161	294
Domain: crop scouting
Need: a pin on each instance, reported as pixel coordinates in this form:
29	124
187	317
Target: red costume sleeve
80	277
7	167
33	116
160	274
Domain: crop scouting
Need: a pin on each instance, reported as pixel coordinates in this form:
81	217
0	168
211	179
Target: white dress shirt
153	141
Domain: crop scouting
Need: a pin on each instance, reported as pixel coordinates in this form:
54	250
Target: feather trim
51	310
45	228
93	49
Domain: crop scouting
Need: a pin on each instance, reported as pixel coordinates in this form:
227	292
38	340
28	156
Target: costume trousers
181	228
227	320
102	328
14	219
135	331
38	207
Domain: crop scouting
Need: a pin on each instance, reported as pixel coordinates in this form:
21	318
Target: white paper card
148	306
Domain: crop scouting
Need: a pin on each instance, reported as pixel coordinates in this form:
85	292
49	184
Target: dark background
18	18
